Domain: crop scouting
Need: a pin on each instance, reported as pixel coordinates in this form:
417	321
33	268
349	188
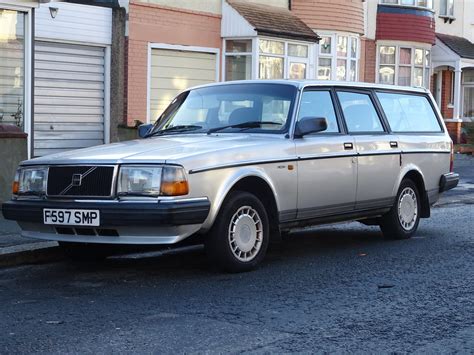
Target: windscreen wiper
249	124
179	128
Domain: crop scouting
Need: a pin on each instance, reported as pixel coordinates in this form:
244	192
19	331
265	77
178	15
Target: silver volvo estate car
242	163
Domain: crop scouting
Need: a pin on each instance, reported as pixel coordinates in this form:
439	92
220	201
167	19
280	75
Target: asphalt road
333	289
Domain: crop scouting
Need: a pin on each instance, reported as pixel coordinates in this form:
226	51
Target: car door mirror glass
144	129
308	125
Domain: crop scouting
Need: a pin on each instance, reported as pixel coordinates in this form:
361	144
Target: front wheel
239	238
401	222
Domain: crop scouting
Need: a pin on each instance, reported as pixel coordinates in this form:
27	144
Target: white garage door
69	97
173	71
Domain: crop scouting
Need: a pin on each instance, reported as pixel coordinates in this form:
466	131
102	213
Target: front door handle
348	146
393	144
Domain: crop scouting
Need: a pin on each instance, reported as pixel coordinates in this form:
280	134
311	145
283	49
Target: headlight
143	180
30	181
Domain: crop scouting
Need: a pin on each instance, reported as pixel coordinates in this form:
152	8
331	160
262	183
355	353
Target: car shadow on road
299	247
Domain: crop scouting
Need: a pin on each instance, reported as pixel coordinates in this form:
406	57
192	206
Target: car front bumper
121	222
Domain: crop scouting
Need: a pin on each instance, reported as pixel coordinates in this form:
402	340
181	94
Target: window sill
447	18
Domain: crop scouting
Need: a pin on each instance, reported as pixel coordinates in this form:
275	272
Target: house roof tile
274	21
461	46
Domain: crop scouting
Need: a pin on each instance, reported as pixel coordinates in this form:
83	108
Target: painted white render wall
463	25
212	6
234	25
370	18
74	23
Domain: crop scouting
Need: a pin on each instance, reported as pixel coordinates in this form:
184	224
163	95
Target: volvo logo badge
76	180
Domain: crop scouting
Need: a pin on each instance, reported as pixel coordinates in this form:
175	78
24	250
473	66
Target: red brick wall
160	24
369	53
446	111
337	15
454	130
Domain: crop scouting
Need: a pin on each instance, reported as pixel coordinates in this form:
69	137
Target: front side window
319	104
338	57
202	109
409	113
405	66
359	112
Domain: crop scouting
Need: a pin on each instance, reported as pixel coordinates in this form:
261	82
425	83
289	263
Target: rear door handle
393	144
348	146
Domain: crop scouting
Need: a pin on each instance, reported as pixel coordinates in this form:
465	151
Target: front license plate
71	217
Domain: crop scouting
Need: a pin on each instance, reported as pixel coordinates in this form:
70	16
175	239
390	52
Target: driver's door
327	166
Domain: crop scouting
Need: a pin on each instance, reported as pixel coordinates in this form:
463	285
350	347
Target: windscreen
207	108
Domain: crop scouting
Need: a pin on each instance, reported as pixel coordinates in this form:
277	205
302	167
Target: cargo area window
408	113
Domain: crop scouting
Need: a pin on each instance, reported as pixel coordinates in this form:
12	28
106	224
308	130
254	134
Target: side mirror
308	125
144	129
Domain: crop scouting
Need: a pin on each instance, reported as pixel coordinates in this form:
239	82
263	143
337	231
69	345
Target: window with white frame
281	59
238	59
338	57
273	58
418	3
403	65
446	8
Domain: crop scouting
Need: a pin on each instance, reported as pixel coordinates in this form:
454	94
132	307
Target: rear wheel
85	251
239	238
401	222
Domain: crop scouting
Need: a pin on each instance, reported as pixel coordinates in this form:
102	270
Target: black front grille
87	181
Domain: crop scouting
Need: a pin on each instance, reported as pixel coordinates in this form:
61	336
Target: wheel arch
413	173
254	181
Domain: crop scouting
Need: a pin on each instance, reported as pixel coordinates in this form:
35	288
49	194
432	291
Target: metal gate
69	97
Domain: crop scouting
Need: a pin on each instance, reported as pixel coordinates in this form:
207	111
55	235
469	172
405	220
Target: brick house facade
380	41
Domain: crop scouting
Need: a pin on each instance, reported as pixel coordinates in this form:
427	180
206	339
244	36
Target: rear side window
359	112
319	104
409	113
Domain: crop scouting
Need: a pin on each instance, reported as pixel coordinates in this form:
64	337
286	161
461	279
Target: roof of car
305	83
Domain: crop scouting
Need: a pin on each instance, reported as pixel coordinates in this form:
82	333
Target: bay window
270	58
338	57
418	3
468	92
403	65
281	59
12	75
238	59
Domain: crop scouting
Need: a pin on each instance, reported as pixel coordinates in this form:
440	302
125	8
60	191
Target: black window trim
370	93
411	93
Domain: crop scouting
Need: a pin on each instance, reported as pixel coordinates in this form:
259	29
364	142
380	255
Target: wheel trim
245	234
407	208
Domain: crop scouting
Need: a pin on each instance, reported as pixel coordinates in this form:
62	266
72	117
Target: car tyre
85	251
401	222
239	238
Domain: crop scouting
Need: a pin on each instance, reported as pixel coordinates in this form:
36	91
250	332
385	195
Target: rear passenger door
378	154
327	166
